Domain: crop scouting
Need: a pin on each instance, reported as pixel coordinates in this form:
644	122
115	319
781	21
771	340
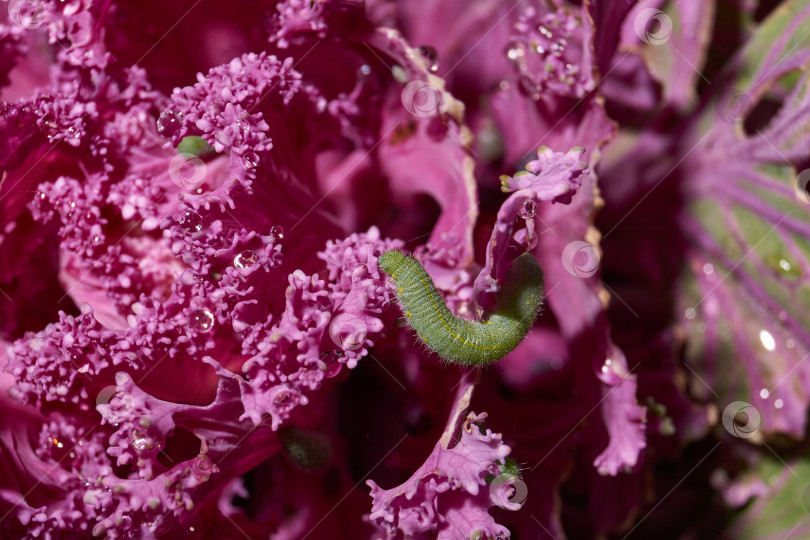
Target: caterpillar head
390	261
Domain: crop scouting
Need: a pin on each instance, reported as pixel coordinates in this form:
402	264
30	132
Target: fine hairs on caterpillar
453	338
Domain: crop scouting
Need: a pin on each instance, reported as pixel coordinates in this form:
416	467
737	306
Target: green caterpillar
453	338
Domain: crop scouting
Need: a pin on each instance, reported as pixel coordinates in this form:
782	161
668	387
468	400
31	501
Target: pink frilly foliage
196	339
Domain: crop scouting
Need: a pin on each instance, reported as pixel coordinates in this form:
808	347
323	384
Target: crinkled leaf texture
448	496
747	295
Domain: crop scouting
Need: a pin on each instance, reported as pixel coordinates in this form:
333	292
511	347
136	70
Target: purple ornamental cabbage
197	340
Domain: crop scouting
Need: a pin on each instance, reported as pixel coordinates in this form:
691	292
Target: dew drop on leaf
201	320
250	160
276	233
191	222
431	56
169	123
246	259
529	209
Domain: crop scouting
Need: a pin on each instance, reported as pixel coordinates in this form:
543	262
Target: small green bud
195	145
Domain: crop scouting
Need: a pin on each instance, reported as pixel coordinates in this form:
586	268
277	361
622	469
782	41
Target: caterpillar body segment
453	338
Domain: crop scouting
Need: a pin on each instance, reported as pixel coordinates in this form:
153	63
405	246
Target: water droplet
52	130
431	55
363	72
332	361
778	403
141	442
245	259
784	265
201	320
276	233
764	393
529	209
558	47
191	222
170	123
514	54
205	464
708	269
333	369
544	31
250	160
689	313
767	340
